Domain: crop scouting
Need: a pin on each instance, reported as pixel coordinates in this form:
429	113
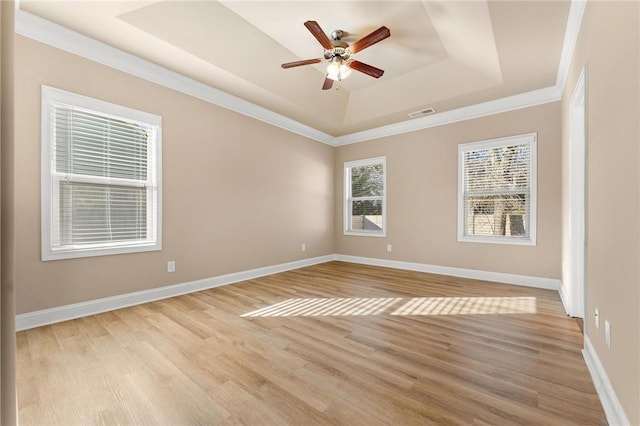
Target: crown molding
55	35
497	106
511	103
576	12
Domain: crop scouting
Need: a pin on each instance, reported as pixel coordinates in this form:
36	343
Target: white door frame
577	192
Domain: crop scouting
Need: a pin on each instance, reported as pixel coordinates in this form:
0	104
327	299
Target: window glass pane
367	181
497	169
93	213
364	212
497	200
366	215
94	145
504	215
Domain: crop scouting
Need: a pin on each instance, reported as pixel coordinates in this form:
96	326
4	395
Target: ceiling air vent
422	112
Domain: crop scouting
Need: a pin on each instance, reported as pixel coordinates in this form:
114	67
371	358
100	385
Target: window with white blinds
497	190
365	195
100	177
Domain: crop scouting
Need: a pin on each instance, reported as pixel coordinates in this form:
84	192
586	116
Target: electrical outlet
171	266
303	247
388	248
607	333
596	317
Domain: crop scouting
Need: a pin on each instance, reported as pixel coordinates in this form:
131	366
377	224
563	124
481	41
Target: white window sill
516	241
365	234
103	251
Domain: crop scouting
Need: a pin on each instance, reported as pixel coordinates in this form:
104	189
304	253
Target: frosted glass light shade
337	70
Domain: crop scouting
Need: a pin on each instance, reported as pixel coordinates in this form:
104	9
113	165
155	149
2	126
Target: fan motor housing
340	51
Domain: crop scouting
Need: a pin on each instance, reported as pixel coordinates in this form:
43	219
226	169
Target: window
497	190
100	177
365	192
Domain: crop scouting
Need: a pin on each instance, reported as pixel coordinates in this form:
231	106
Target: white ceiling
441	54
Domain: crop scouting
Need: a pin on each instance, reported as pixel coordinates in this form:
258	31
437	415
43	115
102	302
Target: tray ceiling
441	54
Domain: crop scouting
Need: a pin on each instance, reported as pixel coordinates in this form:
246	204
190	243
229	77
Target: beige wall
422	179
8	394
237	193
609	47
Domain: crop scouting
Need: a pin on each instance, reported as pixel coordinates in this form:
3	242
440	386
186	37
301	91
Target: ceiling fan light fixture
337	69
339	53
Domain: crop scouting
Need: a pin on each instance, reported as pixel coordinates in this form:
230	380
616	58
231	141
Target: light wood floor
335	343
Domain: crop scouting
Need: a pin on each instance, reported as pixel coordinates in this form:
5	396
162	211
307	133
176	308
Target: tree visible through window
497	190
365	195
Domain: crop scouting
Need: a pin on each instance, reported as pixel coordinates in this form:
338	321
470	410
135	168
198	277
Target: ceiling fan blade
299	63
317	32
328	83
367	69
371	39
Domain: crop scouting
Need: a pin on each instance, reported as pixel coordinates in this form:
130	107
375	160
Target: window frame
348	199
531	140
49	178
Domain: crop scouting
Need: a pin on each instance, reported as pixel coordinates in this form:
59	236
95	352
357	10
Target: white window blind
101	165
497	195
365	206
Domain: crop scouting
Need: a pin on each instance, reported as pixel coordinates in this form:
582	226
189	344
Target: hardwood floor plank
335	343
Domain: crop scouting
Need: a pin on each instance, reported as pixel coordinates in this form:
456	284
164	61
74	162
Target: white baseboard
613	410
612	407
499	277
92	307
564	297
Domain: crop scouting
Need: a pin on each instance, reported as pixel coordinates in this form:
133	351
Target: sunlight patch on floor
467	306
357	306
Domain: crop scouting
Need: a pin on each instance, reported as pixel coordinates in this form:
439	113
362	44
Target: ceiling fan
338	53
